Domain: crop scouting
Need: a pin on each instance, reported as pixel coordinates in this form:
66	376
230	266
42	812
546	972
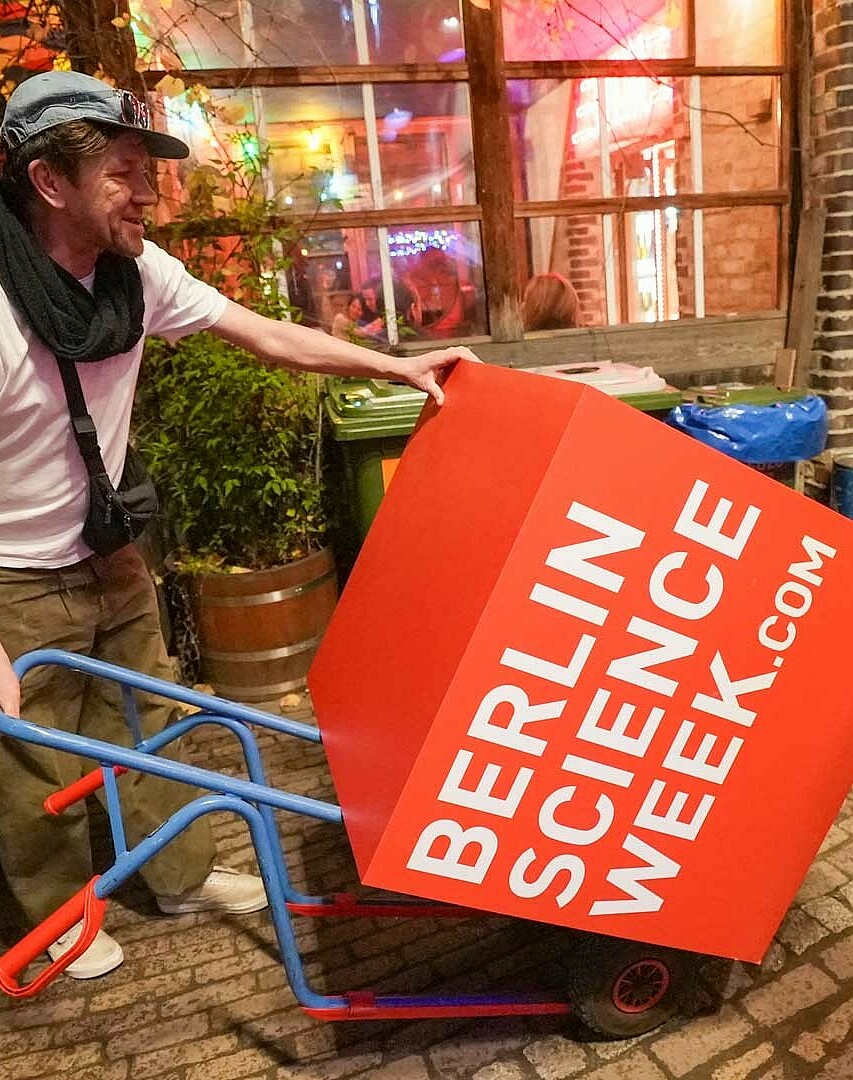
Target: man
79	282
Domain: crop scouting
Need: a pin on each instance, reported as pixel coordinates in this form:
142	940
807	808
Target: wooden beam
783	260
428	215
306	224
800	331
629	204
784	370
343	75
652	69
355	74
690	16
492	154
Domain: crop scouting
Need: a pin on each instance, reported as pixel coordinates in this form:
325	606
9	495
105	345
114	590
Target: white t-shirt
43	481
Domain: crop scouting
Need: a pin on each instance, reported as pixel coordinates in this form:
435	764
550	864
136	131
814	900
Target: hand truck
618	988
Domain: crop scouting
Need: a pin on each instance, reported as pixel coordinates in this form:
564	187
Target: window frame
497	210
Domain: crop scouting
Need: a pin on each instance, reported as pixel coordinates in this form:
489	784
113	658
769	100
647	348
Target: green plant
233	447
230	232
234	451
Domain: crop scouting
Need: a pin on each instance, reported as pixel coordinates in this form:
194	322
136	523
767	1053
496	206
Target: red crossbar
80	789
364	1005
349	904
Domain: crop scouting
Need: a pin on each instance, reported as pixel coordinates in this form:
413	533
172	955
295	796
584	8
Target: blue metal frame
213	710
138	681
253	800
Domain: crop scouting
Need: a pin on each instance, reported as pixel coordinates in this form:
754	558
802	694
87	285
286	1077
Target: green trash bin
657	404
737	393
371	421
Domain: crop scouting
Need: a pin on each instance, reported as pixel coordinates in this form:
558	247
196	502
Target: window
649	144
653	140
739	32
592	29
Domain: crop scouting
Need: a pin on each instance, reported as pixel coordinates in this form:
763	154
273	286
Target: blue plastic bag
758	434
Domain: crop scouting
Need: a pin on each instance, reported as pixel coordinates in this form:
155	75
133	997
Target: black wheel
624	988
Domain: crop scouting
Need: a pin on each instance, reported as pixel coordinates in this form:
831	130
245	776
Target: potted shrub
234	450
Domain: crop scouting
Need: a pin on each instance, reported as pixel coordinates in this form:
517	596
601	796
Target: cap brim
157	143
161	145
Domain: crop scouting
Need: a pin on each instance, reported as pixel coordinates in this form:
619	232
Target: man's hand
427	371
10	687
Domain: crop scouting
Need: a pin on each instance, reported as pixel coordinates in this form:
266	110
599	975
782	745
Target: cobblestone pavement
205	998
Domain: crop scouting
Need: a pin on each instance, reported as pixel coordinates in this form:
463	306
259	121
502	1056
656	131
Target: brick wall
685	265
830	184
740	245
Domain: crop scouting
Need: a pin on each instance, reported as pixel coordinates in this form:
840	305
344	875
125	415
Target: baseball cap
55	97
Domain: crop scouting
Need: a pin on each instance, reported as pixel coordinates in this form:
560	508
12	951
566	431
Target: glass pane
594	29
292	33
327	269
741	259
297	34
572	249
730	32
557	129
554	134
656	265
438	274
182	37
198	121
188	34
649	136
209	187
424	144
741	133
314	136
437	271
402	31
318	144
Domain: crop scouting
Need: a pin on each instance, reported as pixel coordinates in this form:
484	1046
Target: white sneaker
103	955
222	890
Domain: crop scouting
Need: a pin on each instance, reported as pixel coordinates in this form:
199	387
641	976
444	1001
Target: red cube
591	672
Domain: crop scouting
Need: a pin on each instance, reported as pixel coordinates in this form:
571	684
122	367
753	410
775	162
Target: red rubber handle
80	789
83	905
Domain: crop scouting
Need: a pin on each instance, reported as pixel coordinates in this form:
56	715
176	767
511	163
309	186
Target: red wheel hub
641	986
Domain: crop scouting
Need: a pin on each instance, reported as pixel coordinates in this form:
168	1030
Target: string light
417	241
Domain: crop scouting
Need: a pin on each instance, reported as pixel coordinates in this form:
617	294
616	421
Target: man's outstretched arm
300	348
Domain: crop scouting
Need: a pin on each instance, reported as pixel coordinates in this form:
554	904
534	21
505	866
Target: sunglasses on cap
133	111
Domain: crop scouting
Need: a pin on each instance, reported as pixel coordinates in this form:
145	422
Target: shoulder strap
84	427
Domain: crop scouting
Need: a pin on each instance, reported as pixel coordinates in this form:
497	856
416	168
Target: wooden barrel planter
258	631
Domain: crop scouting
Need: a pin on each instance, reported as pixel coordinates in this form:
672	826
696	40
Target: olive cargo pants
105	608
